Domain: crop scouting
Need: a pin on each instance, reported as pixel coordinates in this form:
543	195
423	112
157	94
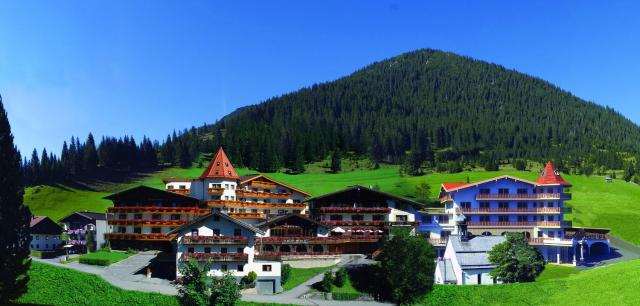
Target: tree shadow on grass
369	279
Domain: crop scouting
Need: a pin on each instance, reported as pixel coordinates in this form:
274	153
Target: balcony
319	240
262	184
141	237
182	191
515	224
371	210
489	211
294	255
524	197
580	235
245	215
147	222
159	210
215	191
551	241
438	241
262	194
197	240
224	203
368	223
235	257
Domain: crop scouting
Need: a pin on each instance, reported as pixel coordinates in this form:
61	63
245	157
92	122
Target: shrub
346	296
285	273
341	277
131	251
249	280
326	283
95	261
225	291
193	290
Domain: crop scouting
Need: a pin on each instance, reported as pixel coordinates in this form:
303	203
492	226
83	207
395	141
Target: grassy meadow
595	203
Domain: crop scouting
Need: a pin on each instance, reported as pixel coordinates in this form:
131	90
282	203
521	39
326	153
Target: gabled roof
459	186
248	178
220	167
36	219
43	225
288	216
473	253
87	215
148	193
359	188
221	215
550	176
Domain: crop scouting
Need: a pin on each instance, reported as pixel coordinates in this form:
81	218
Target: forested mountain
425	107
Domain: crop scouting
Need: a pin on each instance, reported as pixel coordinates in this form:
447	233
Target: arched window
486	233
285	248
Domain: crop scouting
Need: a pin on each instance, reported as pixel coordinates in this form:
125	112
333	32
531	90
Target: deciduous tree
516	260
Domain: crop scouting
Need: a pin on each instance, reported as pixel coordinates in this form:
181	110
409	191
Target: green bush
95	261
346	296
326	284
285	273
249	280
341	277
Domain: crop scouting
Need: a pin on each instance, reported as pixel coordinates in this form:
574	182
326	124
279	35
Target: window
503	218
268	201
484	205
550	218
539	234
226	186
549	190
281	201
282	211
503	191
377	217
182	187
266	268
484	219
403	218
137	230
357	217
223	250
155	230
237	232
207	250
267	211
522	205
466	205
549	204
267	190
156	217
522	191
442	219
484	191
46	237
255	211
175	217
296	211
37	237
551	234
216	232
194	232
46	246
137	216
122	216
122	229
503	205
335	217
170	187
522	219
296	201
240	250
217	163
240	268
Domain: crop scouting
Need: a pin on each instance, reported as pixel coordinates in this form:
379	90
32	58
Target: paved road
293	296
620	251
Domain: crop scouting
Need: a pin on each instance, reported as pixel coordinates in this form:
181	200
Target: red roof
551	176
449	186
220	167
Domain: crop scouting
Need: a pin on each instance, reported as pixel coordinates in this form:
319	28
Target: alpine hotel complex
254	223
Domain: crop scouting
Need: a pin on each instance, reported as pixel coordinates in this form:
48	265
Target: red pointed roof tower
220	167
551	176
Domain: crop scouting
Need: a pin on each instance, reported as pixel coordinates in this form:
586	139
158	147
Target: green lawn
50	285
103	258
556	271
300	275
595	203
612	285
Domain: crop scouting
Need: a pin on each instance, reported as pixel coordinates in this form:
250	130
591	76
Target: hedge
345	296
95	261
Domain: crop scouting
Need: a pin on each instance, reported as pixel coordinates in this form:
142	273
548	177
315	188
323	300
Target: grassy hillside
595	203
611	285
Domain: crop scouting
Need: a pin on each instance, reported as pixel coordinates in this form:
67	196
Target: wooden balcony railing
540	210
183	191
223	203
543	241
262	194
368	223
236	257
372	210
318	240
263	184
527	197
159	210
142	237
147	222
586	235
245	215
214	240
280	255
215	191
515	224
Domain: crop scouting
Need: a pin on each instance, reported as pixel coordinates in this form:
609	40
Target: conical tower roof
220	167
551	176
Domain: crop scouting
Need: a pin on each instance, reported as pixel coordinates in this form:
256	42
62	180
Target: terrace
514	224
507	210
142	237
245	215
263	194
215	191
373	210
368	223
147	222
199	240
295	255
524	197
319	240
262	184
222	203
181	191
159	210
236	257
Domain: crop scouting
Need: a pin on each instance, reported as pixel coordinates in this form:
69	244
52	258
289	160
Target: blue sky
148	67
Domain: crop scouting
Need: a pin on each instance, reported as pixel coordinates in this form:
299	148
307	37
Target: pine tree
90	158
336	161
14	218
184	158
35	167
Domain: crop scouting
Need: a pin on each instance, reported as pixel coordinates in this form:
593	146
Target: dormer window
218	164
226	164
229	172
217	172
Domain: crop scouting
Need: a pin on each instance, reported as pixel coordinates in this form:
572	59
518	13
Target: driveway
620	251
